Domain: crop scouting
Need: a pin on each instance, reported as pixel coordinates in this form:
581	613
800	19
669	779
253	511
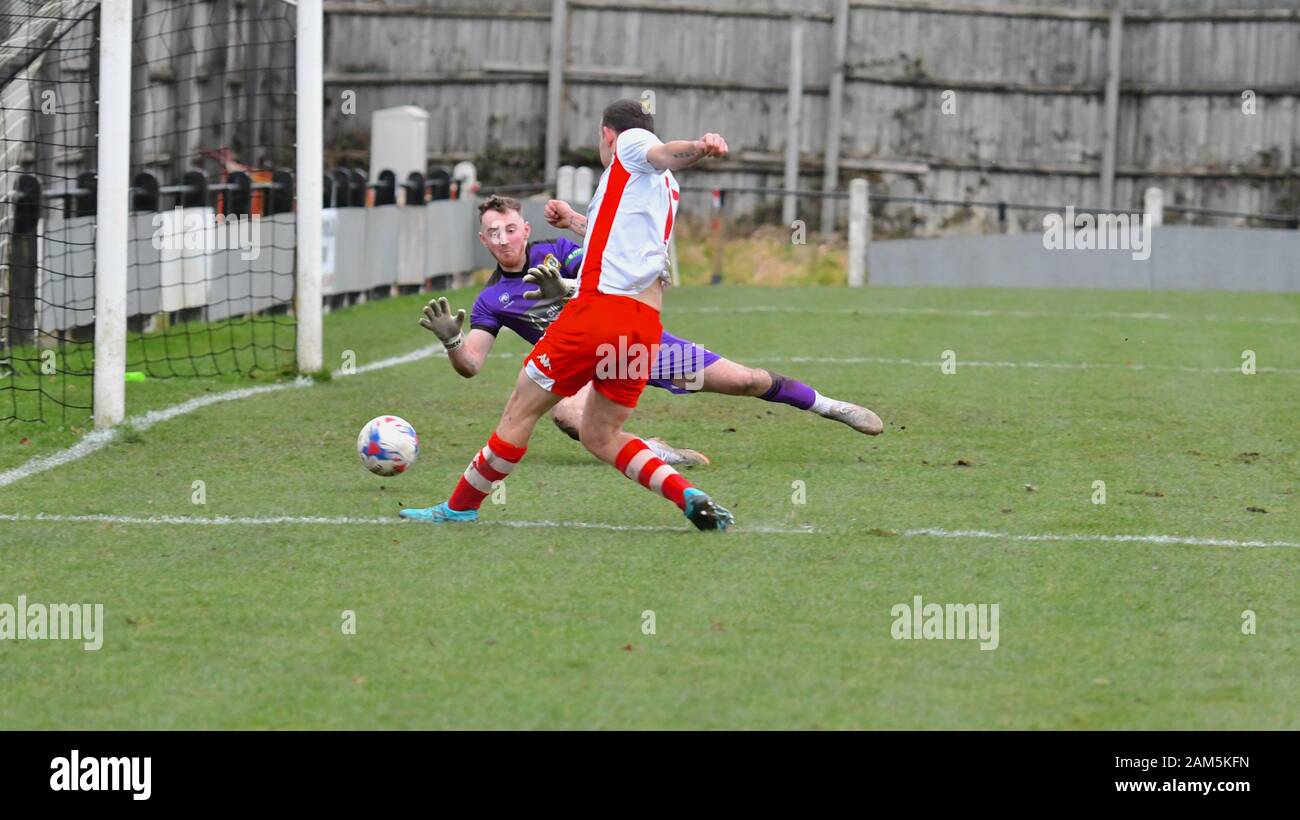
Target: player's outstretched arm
561	215
468	359
465	355
678	154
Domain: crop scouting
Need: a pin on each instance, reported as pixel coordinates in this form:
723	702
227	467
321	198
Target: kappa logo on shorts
545	360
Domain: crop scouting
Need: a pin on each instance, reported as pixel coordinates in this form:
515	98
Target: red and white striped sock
493	463
638	463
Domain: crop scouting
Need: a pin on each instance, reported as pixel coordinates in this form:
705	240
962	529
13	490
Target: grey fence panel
412	238
144	265
284	257
351	272
451	231
1181	258
1197	258
329	240
183	268
381	245
239	286
232	273
65	285
231	284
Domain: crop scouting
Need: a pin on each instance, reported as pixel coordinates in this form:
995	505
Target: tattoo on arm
578	224
687	154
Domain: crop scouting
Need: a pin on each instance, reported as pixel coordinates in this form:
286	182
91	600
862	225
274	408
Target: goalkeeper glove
439	319
550	282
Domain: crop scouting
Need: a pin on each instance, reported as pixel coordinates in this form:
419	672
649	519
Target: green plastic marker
135	376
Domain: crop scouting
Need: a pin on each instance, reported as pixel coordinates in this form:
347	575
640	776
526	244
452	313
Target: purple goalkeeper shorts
680	359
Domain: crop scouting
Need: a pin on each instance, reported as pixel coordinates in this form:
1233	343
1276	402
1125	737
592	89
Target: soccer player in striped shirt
616	309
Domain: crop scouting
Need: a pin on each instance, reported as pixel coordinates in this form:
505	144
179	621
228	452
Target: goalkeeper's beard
512	265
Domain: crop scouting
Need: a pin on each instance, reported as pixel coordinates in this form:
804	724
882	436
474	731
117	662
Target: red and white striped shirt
629	220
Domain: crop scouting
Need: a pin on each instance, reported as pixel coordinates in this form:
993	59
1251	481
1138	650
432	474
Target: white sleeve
631	148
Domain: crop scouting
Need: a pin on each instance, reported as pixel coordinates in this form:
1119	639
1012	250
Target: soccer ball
388	445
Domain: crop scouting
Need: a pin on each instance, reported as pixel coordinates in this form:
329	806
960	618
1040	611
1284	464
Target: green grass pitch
783	622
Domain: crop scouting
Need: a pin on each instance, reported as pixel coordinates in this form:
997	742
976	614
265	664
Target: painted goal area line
960	363
310	520
369	521
877	310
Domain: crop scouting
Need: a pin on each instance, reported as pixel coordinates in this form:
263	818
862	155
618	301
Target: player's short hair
622	115
500	204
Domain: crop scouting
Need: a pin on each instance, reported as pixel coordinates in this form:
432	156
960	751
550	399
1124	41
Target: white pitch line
394	361
1028	365
977	312
343	520
223	520
99	439
1119	539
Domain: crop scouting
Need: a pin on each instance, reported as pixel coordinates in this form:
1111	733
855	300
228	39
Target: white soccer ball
388	445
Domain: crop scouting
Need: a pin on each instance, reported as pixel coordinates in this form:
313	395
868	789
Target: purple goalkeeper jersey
501	303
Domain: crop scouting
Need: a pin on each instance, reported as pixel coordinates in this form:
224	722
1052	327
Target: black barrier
385	188
23	261
144	192
194	190
239	194
82	202
340	190
439	182
281	198
414	188
356	188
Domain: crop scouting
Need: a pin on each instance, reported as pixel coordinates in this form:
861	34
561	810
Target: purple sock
789	391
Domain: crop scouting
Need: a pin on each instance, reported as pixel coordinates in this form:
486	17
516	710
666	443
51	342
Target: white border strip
1190	540
1026	314
935	363
223	520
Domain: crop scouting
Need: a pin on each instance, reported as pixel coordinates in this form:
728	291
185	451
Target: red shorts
609	340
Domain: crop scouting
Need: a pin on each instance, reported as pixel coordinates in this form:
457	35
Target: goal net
209	203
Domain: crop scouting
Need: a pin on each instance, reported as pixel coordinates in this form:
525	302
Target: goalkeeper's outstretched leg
735	379
730	378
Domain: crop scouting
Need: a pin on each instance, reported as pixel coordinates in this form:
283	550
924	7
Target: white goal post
112	191
310	160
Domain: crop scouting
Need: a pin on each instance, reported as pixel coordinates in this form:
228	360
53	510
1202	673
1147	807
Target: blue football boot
438	514
705	513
